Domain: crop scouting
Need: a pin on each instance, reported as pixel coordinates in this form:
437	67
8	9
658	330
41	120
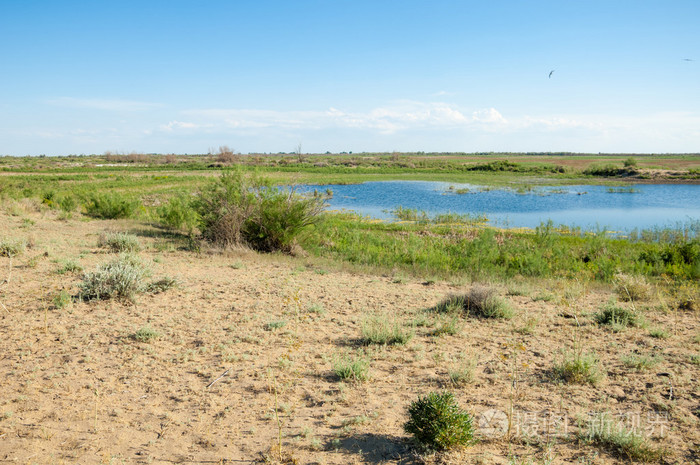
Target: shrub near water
178	214
238	209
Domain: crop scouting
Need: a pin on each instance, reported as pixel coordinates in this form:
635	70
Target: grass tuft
632	288
479	301
618	317
381	329
119	241
623	442
145	334
351	368
578	368
12	247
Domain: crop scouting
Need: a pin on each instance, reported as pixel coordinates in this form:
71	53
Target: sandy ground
246	353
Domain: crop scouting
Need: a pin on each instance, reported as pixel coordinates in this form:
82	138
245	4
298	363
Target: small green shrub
121	278
658	333
462	371
161	285
630	163
619	318
448	324
62	299
70	266
640	362
316	308
381	329
275	325
119	241
12	247
578	368
111	206
351	368
479	301
178	214
437	423
67	203
145	334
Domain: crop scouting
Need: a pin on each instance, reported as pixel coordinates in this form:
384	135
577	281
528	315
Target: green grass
578	368
641	362
481	253
70	266
479	301
275	325
385	330
145	334
119	241
659	333
622	442
352	368
618	318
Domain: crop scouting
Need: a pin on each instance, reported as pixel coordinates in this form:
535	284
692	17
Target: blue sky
335	75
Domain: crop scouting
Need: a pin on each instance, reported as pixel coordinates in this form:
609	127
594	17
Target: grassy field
126	338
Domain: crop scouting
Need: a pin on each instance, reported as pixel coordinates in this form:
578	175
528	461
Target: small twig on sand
217	379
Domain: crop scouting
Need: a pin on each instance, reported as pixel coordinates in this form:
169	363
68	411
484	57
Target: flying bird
688	59
550	74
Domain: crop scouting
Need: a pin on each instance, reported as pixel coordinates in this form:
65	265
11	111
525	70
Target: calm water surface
588	207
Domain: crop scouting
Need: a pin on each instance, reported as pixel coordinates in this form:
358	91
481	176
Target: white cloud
173	125
401	116
102	104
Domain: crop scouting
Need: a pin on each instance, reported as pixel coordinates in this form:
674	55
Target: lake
625	208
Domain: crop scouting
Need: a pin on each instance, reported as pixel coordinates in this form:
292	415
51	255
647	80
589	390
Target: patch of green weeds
623	442
578	368
659	333
145	334
618	318
275	325
641	362
479	301
62	299
70	266
448	324
349	368
119	241
382	329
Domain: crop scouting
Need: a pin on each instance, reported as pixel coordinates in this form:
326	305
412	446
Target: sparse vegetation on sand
190	351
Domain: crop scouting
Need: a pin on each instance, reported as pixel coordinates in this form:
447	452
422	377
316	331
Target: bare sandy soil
244	336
